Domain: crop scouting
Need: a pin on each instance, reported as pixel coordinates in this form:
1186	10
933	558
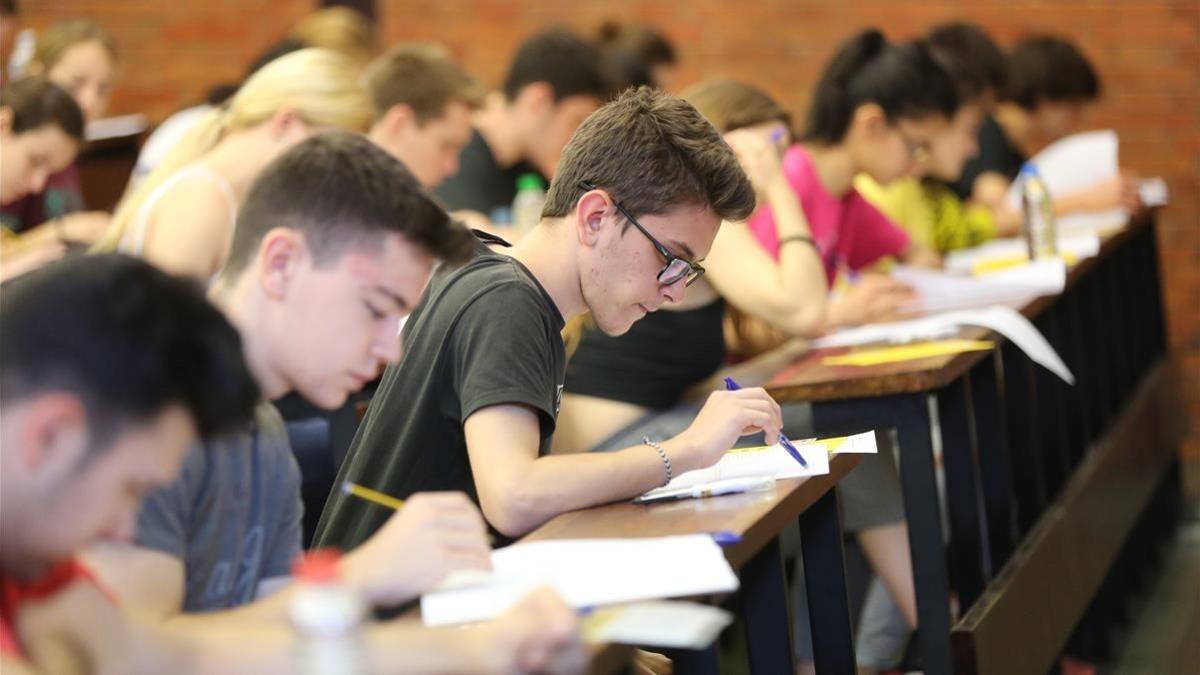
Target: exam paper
761	461
1003	320
588	573
938	290
1073	163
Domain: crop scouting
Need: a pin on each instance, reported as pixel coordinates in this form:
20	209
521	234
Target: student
643	384
175	128
41	129
423	104
79	446
647	377
556	80
80	57
334	246
643	55
473	402
876	109
924	204
181	217
1050	83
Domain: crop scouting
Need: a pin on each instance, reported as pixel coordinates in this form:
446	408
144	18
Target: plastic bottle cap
318	567
529	181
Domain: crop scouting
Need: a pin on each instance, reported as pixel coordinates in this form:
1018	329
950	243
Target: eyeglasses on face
676	268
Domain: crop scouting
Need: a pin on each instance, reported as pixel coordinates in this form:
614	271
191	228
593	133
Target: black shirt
485	334
481	184
996	153
655	362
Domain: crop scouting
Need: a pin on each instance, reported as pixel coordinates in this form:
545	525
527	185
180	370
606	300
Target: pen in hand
783	440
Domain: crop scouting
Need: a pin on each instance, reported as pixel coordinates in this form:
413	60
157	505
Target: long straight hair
321	86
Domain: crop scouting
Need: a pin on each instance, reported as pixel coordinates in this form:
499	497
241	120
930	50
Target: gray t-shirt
233	516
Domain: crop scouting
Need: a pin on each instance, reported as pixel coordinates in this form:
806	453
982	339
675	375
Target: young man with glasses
472	405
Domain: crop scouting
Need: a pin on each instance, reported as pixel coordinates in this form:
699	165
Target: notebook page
588	573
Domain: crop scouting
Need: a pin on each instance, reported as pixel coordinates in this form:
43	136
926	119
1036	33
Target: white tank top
135	240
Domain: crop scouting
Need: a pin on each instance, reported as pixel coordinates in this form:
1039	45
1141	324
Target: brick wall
1147	52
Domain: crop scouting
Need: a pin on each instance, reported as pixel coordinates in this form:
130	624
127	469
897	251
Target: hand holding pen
730	385
725	417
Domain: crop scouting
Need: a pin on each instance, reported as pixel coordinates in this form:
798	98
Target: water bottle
327	617
1041	234
527	205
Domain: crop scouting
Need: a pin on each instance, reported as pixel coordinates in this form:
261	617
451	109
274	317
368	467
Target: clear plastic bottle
327	617
527	205
1037	210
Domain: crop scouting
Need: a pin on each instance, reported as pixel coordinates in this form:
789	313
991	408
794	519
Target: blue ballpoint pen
783	440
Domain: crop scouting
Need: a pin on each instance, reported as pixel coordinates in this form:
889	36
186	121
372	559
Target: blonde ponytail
323	88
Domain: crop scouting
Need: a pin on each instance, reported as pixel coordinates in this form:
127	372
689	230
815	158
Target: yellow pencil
371	495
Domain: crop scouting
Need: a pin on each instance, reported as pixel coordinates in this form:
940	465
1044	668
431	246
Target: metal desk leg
825	584
909	414
765	603
991	439
968	535
1021	404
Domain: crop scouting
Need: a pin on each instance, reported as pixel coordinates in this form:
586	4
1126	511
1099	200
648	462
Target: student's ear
283	122
589	216
536	98
870	119
280	256
54	436
6	120
400	118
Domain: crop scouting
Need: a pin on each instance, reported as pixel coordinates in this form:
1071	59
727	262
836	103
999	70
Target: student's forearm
398	648
272	608
555	484
802	286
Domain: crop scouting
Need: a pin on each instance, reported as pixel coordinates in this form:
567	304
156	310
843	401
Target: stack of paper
588	573
938	291
1003	320
770	461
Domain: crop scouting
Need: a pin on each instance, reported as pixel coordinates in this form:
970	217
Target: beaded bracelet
661	453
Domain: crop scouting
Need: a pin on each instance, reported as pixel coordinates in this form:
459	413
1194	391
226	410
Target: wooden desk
1011	433
758	519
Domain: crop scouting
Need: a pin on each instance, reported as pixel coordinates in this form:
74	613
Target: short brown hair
731	105
422	77
342	191
57	39
36	102
652	152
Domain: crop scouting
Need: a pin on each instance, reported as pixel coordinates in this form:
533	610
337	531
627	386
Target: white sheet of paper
858	444
588	573
673	624
940	291
1073	163
1004	320
765	461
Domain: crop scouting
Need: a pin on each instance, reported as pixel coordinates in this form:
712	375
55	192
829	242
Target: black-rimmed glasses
676	268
